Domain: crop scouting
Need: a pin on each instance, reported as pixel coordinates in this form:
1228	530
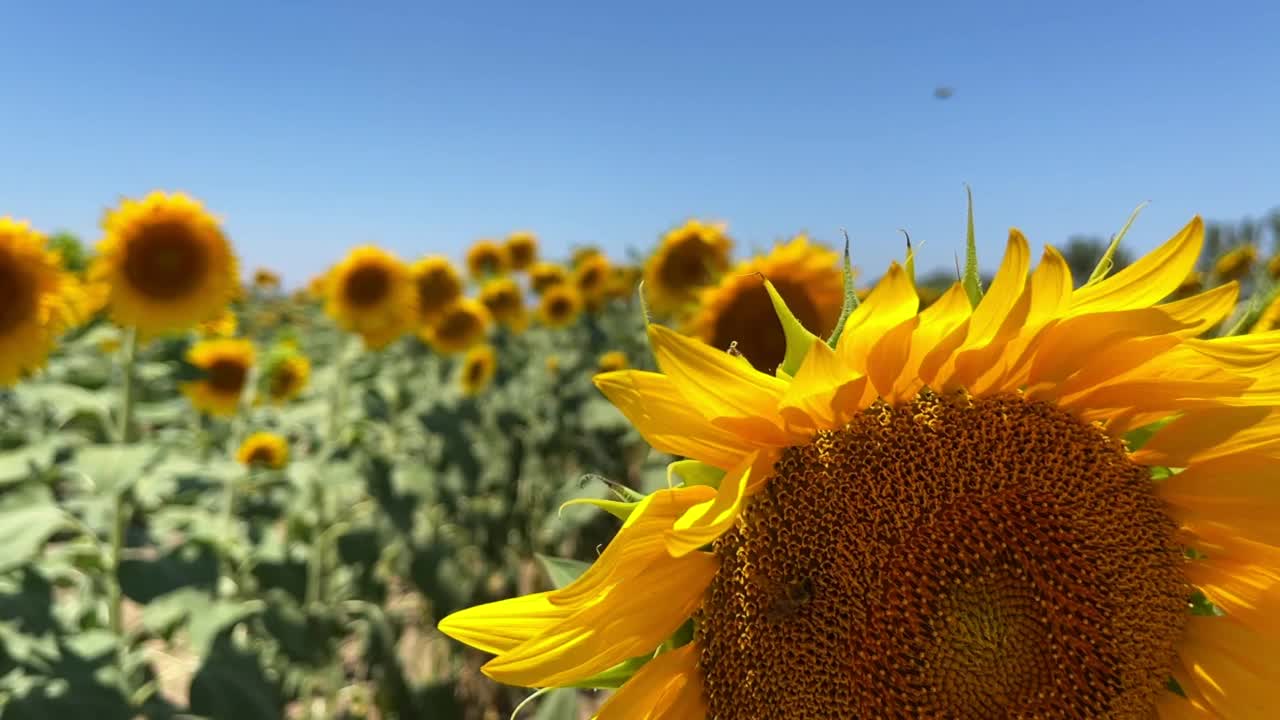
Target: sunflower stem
228	531
120	517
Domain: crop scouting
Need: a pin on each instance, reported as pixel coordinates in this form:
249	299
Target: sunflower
612	361
165	264
504	300
460	326
225	325
521	249
287	377
560	306
622	282
317	288
738	311
590	278
1269	318
486	258
1273	268
438	286
1235	264
582	254
264	279
689	258
1056	503
553	365
38	300
544	275
371	293
225	364
1190	285
478	368
264	449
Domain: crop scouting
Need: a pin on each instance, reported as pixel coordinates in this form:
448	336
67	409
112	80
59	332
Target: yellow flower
165	264
316	288
1190	285
553	364
582	254
486	258
689	258
612	361
38	300
1236	263
225	363
371	293
544	275
225	325
264	279
287	378
264	449
738	310
560	306
478	368
438	286
521	250
460	326
949	514
504	300
622	282
1273	267
590	276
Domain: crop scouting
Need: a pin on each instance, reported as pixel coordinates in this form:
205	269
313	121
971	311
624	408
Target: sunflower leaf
1107	261
799	339
972	281
850	296
561	571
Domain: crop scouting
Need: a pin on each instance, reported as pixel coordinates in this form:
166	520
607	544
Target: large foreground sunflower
461	325
951	513
38	300
165	263
438	285
688	259
225	364
371	293
738	311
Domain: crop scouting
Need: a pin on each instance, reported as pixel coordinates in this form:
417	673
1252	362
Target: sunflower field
671	485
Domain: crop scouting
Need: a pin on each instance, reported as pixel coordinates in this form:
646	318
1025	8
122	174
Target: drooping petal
709	519
659	690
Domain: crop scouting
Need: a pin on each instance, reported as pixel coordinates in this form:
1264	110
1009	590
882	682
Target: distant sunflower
165	264
738	310
590	277
559	306
461	325
478	368
316	287
544	275
1269	319
582	254
553	364
688	259
1055	503
521	250
1273	267
1190	285
225	325
287	378
504	300
438	285
1235	264
225	364
264	279
371	293
39	300
612	361
264	449
486	258
622	282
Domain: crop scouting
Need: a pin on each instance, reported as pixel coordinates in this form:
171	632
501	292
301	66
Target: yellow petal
1203	433
1004	293
661	690
1072	342
1204	310
887	360
500	626
809	398
938	321
891	302
1147	281
708	520
1050	287
1235	671
1235	491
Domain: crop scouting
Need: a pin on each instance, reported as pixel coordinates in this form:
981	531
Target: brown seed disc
165	261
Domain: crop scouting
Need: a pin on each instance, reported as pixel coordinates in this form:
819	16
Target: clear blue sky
314	126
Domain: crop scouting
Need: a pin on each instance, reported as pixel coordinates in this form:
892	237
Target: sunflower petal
892	302
658	690
500	626
1147	281
708	520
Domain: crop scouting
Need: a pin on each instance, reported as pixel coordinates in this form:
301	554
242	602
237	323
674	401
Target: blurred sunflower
622	282
225	364
264	449
559	306
612	361
590	277
1269	318
553	364
371	293
164	264
287	377
486	258
582	254
225	325
316	287
1190	285
544	275
461	325
948	514
521	250
438	286
38	300
688	259
739	311
1273	268
264	279
504	300
1235	264
478	368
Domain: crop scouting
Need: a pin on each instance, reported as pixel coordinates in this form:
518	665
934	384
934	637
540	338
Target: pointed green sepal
614	677
799	339
1108	258
694	472
910	264
971	280
850	296
620	510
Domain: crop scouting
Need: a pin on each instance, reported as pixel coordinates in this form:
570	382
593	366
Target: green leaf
114	468
971	280
561	571
1104	264
232	684
19	465
850	296
24	531
559	704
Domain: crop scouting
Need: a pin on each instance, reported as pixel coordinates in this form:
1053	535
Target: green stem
120	523
338	395
228	530
316	562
